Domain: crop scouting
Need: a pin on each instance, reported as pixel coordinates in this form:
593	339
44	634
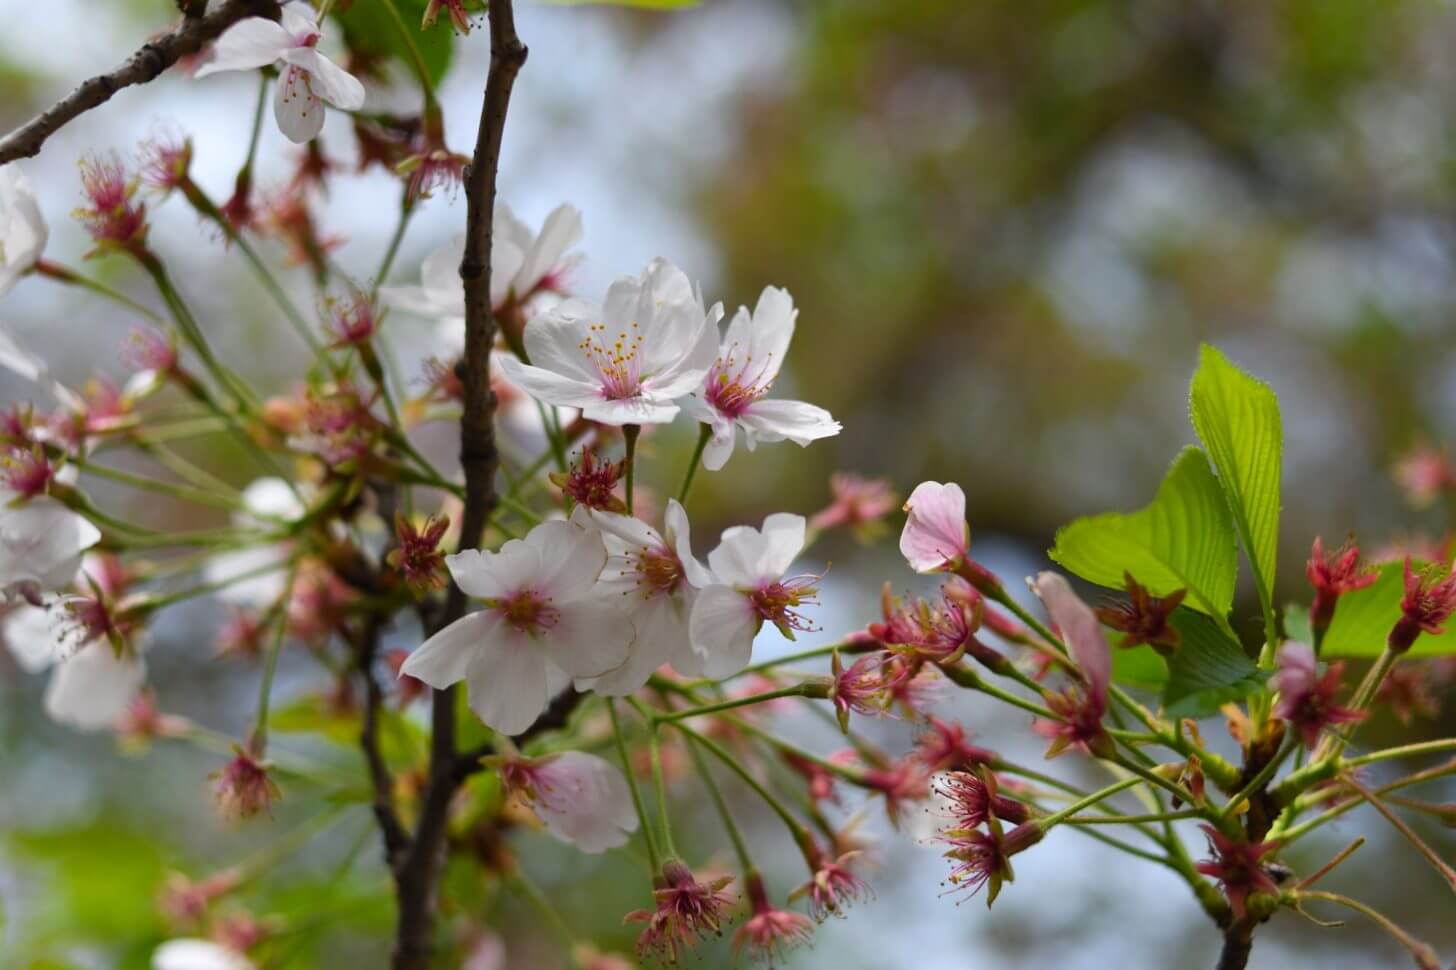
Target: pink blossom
769	930
859	504
1306	699
686	911
936	536
1428	602
1239	868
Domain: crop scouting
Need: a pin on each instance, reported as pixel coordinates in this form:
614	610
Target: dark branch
417	877
396	839
145	65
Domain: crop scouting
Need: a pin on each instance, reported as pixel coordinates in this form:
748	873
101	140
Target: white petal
507	679
20	361
549	386
299	112
560	231
631	410
720	446
589	638
41	542
554	339
486	575
784	533
571	558
797	421
735	560
270	497
257	591
189	954
35	636
675	528
95	687
23	230
588	803
771	331
444	658
440	274
327	80
661	626
247	44
299	19
723	626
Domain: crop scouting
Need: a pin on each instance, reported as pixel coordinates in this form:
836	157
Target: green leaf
1364	618
1296	623
370	28
1139	667
1183	540
1208	669
1237	419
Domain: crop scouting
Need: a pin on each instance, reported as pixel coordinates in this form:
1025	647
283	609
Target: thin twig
150	60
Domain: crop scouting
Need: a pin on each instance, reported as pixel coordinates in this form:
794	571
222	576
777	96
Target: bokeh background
1007	227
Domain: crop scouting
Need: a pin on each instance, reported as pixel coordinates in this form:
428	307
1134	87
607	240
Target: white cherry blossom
580	798
193	954
627	361
735	393
656	578
91	684
522	264
542	617
23	231
307	80
749	569
41	544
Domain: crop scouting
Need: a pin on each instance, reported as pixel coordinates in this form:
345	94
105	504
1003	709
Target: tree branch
145	65
418	876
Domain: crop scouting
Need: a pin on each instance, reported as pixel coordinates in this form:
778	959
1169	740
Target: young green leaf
1183	540
1209	668
1364	617
369	27
1237	419
1141	667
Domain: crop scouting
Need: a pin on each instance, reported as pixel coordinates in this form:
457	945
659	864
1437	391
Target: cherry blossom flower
686	911
865	687
858	503
945	747
749	568
983	858
770	931
113	218
1144	617
41	544
1424	473
940	632
903	781
244	786
308	78
265	501
1079	708
94	681
973	799
194	954
454	8
541	614
1238	867
1428	601
936	536
627	361
418	556
833	885
522	265
1410	691
656	577
734	395
581	798
592	482
23	230
1332	576
1306	699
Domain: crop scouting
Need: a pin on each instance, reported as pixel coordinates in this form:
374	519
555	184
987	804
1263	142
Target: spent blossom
112	215
769	930
1079	708
308	78
1144	618
1427	603
1239	868
454	9
944	746
540	616
983	858
865	687
592	482
418	556
244	786
858	504
686	911
833	884
1307	698
734	395
1333	575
